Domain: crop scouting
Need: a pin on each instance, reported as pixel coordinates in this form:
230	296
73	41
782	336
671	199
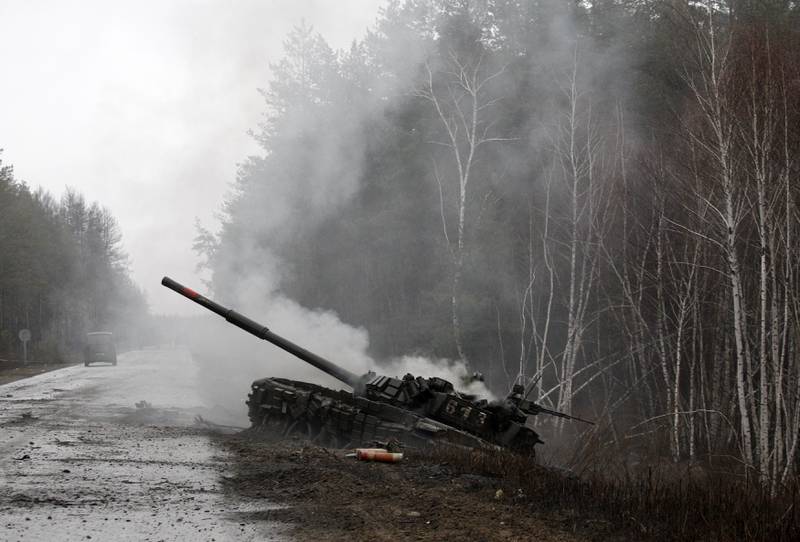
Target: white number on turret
459	410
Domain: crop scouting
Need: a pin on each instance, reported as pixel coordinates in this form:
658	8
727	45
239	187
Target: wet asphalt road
80	461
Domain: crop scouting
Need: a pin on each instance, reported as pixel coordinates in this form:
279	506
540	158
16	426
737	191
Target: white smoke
454	371
230	359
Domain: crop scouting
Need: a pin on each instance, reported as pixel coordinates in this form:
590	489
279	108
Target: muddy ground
119	453
331	497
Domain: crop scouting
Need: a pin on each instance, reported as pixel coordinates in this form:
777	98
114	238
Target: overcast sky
144	105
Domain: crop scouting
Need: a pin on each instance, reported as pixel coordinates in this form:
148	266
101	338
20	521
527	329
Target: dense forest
597	197
63	273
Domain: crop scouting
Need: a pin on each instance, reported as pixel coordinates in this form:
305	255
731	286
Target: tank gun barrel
529	407
263	332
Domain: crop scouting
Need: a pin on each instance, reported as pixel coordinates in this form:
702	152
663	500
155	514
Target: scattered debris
391	445
199	420
380	455
326	498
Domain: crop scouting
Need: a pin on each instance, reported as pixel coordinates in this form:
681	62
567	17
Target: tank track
338	419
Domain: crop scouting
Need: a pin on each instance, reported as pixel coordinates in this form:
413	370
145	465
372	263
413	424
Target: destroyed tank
412	411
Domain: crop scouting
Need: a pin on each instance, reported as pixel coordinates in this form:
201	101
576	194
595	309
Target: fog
229	360
145	106
597	197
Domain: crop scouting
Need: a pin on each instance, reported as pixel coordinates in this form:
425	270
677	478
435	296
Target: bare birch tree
460	95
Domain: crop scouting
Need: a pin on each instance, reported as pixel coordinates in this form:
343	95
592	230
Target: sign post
25	336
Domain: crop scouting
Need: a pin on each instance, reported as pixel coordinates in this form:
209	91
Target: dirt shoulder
11	371
331	497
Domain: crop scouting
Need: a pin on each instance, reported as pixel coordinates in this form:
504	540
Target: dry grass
653	503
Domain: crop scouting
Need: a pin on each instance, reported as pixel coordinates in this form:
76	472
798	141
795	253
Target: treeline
63	273
598	197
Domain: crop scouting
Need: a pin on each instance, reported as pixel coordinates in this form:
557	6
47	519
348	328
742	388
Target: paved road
80	461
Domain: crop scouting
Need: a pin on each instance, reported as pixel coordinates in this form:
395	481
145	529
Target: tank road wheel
303	428
329	439
272	423
256	414
262	424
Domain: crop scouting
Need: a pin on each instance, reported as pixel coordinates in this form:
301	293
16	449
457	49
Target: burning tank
412	410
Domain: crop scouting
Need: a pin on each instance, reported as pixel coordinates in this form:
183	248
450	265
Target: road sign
25	336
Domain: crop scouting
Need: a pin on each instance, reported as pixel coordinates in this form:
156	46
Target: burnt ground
331	497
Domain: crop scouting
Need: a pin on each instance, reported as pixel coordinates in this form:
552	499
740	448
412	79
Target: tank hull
412	410
340	419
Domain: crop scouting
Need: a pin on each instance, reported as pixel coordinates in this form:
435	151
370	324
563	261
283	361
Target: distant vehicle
100	348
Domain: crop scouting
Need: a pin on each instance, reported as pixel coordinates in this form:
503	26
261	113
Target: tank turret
412	409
